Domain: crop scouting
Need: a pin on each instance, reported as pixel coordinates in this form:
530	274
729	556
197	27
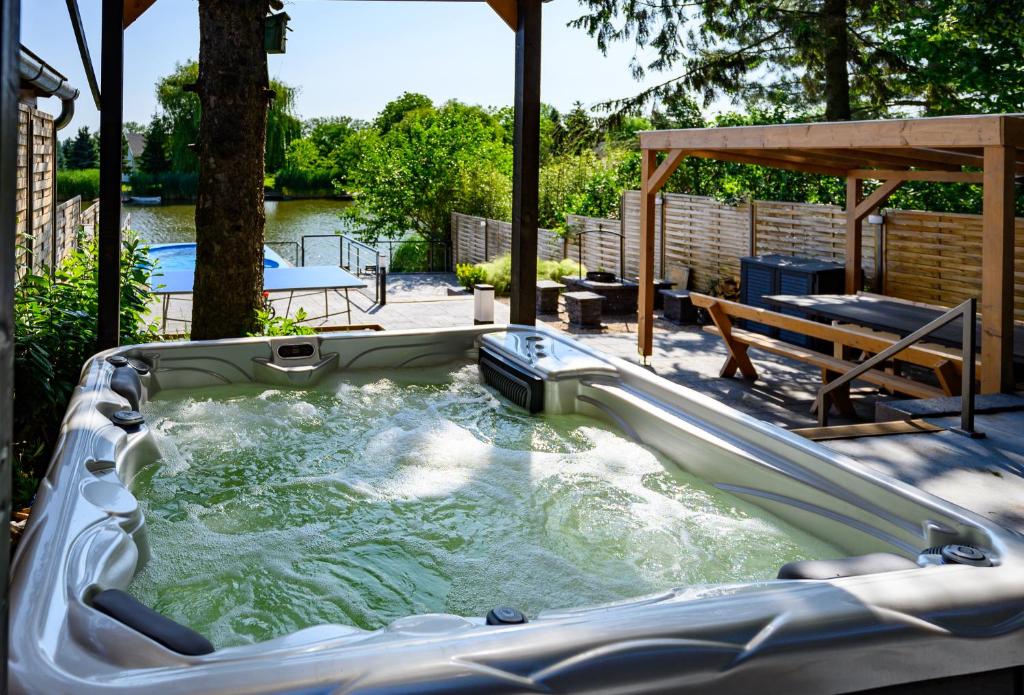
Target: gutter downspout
48	83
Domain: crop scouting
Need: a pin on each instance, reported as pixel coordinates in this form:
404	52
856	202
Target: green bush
272	325
556	270
469	274
498	272
306	182
83	182
409	257
55	333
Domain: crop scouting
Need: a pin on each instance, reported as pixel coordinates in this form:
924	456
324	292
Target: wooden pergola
981	150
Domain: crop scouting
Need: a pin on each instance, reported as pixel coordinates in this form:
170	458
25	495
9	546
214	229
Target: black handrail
360	269
967	311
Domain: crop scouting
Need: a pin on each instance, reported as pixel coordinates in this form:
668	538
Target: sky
347	58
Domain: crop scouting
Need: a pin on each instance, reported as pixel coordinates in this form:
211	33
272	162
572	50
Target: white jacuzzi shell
86	534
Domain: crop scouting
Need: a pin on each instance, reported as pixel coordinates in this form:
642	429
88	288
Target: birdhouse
274	34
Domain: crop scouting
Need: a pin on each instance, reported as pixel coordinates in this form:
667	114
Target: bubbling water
370	497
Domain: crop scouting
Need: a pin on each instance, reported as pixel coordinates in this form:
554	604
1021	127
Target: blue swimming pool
183	257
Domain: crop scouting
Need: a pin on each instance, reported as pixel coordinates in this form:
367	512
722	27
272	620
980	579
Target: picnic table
888	314
291	280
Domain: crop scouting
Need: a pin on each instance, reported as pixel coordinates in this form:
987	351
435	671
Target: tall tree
154	158
82	154
793	52
180	105
233	89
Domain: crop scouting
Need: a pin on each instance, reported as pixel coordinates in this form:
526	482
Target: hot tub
913	587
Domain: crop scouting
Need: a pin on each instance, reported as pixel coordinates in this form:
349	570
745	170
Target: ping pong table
291	280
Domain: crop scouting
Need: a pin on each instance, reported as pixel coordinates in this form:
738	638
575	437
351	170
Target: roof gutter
45	81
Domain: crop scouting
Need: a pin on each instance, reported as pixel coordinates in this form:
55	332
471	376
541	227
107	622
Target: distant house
136	144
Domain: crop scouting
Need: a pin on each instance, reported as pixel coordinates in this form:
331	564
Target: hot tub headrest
141	618
872	563
126	383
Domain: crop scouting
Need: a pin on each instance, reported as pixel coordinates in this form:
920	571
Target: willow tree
234	90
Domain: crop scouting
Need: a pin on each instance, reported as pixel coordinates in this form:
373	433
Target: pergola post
109	229
648	206
10	33
997	270
854	234
526	164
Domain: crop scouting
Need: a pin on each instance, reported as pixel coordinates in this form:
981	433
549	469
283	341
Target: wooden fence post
753	227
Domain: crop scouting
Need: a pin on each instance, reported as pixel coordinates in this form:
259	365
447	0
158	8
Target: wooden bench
547	296
584	308
945	366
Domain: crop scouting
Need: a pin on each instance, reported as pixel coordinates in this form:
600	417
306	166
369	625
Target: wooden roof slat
889	159
942	132
766	159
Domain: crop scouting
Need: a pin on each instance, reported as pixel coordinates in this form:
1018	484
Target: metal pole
53	198
526	163
382	287
967	386
10	37
30	189
112	77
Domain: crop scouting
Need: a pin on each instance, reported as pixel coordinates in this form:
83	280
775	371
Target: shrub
272	325
469	274
305	182
83	182
556	270
55	333
409	257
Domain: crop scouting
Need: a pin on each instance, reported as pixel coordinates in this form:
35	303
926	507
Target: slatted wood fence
922	256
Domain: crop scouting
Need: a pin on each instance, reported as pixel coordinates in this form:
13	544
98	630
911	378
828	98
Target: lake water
287	222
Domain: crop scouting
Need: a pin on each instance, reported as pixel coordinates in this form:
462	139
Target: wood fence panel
936	258
810	231
600	251
35	196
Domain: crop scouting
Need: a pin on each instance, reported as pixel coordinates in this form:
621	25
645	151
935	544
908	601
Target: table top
316	277
886	314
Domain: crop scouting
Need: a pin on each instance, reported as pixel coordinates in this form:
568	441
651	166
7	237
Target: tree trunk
836	57
233	91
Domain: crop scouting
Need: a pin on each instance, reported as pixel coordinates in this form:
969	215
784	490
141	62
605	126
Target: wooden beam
854	229
997	256
868	429
738	358
10	38
109	231
877	198
666	169
508	11
884	158
526	164
645	303
133	9
947	131
767	160
905	175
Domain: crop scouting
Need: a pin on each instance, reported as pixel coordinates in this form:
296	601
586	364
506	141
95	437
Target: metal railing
279	246
966	311
437	255
622	248
358	258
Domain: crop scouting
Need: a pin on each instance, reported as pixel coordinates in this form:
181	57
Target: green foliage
433	162
269	324
498	272
171	186
585	184
469	274
395	111
409	257
182	110
81	152
154	158
842	59
83	182
55	333
556	270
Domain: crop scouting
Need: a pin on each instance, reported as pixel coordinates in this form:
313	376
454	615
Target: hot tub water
374	497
